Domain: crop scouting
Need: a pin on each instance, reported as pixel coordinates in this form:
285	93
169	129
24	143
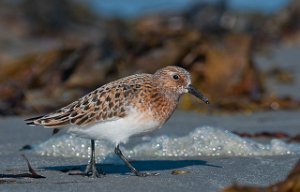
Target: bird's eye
176	77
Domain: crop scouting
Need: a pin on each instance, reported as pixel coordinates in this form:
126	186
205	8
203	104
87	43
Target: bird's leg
91	169
136	172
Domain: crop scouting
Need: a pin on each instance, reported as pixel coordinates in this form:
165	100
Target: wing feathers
107	103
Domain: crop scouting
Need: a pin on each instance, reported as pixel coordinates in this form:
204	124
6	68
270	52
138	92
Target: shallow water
203	141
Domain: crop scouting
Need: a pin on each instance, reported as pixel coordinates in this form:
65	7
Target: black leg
91	169
136	172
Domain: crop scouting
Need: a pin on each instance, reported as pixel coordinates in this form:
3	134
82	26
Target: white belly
117	131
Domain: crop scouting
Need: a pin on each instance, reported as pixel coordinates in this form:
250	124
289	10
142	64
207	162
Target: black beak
197	94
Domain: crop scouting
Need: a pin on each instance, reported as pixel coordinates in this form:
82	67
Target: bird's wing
106	103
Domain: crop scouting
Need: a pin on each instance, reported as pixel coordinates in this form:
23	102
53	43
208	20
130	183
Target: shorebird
133	105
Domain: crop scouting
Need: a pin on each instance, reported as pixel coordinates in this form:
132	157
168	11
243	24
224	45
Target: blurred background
242	54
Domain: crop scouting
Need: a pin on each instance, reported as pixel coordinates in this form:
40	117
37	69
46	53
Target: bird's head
177	80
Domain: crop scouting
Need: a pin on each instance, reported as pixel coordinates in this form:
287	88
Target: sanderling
129	106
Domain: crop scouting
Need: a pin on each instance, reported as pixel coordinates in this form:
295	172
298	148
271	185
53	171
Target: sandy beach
205	173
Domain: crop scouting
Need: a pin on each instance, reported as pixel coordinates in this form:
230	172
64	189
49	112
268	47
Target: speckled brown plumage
133	105
106	103
154	95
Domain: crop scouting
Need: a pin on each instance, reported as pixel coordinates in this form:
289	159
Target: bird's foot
91	171
95	174
146	174
92	174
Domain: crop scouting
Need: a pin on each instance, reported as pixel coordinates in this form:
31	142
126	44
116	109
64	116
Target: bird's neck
164	105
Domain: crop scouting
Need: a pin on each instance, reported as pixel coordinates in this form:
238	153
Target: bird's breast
156	107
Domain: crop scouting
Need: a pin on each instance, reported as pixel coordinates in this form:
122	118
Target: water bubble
203	141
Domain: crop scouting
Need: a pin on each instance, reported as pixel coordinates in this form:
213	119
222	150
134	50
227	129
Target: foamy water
203	141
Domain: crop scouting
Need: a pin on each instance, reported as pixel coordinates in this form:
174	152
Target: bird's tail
46	121
32	121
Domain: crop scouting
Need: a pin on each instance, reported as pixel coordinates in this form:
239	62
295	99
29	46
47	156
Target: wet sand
206	173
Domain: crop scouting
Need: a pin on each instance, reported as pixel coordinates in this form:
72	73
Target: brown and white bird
133	105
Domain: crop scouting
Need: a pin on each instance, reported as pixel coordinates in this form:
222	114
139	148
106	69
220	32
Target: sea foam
202	141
